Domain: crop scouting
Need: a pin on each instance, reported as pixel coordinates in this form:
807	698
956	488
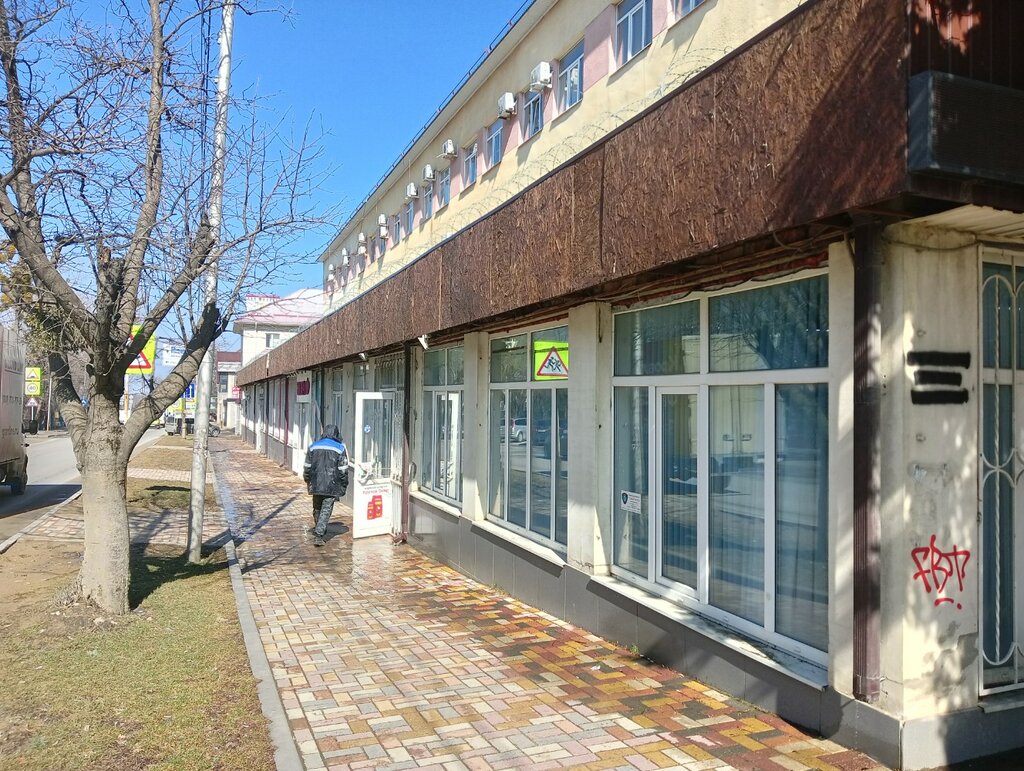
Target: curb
31	525
286	752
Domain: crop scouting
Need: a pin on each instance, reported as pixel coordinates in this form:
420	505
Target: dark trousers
323	505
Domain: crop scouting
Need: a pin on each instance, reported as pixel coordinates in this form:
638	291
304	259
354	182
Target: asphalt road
52	477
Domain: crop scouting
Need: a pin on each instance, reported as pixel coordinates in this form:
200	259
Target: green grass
168	687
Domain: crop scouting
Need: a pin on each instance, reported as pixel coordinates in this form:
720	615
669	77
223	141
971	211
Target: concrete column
475	396
590	437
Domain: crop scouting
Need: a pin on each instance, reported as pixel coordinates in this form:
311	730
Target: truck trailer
13	459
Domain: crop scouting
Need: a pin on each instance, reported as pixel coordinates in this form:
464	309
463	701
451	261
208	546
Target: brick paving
387	659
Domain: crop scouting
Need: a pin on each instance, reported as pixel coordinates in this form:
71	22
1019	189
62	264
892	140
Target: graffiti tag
935	567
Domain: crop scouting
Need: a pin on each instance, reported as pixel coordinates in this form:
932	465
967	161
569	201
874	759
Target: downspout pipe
867	460
403	536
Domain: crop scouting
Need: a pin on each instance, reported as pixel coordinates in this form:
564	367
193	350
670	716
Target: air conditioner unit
540	77
428	173
362	239
344	258
411	191
506	105
448	149
330	270
382	219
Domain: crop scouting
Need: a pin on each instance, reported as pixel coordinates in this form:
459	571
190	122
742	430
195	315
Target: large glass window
529	432
570	78
441	457
428	201
721	456
633	29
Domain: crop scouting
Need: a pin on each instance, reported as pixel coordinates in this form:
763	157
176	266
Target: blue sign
190	391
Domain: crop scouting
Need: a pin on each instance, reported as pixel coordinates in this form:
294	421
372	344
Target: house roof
297	309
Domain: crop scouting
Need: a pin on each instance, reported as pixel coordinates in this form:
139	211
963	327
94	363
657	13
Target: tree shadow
154	565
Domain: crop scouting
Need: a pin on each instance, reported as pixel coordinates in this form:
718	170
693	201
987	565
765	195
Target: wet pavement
386	659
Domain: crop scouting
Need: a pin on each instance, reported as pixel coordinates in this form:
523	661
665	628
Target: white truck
13	460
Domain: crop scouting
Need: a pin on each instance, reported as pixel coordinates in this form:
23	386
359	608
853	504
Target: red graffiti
935	567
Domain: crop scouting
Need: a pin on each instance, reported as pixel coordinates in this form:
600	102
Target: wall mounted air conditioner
448	149
506	105
344	258
428	173
411	191
540	77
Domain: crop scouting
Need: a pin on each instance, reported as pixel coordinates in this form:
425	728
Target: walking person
326	475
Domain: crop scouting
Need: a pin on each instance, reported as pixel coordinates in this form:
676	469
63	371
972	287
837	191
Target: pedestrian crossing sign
550	360
143	364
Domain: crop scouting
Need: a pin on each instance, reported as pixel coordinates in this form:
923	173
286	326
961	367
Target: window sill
787	664
564	114
1001	702
445	507
528	545
623	66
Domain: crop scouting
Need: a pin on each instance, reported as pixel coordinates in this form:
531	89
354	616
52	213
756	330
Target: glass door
374	498
678	487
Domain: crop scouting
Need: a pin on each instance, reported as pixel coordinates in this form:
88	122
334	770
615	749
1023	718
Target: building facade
720	361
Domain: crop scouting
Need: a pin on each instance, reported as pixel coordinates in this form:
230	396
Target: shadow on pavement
35	497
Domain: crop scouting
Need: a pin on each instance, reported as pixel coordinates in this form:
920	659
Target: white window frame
529	385
428	202
629	14
396	229
533	113
683	7
410	216
567	67
469	165
444	187
272	339
494	144
700	383
450	393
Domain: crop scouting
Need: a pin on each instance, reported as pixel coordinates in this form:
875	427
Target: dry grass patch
166	687
151	495
171	458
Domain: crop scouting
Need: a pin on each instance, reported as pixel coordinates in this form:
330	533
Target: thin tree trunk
105	569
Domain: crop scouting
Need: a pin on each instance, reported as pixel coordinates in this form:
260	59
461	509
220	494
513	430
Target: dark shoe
318	540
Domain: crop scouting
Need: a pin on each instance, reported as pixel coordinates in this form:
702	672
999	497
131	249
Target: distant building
227	395
269	319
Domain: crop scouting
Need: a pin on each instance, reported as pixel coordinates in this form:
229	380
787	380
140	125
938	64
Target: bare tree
106	151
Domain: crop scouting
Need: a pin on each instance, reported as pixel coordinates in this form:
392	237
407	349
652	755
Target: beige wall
680	49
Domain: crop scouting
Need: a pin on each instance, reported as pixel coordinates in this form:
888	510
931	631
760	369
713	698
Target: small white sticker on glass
630	501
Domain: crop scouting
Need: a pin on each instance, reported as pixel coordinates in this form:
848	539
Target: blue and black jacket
326	467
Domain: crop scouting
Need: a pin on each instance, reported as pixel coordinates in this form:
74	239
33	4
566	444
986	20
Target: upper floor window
533	113
444	187
683	7
381	245
272	339
428	201
570	78
396	229
633	29
494	142
469	165
410	216
222	382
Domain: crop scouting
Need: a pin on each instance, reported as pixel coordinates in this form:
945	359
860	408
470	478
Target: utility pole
204	385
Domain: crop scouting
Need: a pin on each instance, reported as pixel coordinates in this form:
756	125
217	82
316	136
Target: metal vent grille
966	128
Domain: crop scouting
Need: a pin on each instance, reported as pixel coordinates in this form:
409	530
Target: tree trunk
105	570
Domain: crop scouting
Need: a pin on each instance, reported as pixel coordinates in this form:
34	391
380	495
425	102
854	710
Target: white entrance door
374	495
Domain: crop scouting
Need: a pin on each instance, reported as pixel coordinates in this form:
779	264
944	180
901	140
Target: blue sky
371	72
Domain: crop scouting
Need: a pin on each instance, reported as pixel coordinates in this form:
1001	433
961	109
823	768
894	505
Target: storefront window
529	432
721	474
441	457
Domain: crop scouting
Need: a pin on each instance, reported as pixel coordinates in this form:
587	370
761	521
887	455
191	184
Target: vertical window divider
653	433
529	453
552	464
703	489
770	457
705	336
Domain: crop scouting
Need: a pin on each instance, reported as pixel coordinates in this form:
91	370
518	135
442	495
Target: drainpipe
403	536
867	349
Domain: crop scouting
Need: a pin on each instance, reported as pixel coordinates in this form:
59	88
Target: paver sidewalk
387	659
